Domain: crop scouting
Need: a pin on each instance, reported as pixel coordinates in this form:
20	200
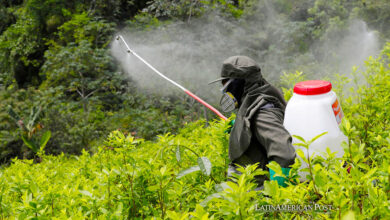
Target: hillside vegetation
57	74
184	175
81	139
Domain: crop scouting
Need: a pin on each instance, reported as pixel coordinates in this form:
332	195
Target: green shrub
368	106
183	175
131	177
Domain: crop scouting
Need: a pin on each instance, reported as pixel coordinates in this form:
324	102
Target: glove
281	180
229	128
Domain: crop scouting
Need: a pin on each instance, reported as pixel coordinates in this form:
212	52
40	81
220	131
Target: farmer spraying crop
258	134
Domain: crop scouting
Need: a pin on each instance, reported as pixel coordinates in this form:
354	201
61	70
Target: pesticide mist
191	53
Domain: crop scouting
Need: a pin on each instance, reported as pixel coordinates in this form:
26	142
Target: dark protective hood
241	67
257	93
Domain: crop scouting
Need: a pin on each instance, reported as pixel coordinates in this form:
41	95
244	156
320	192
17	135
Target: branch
91	93
81	94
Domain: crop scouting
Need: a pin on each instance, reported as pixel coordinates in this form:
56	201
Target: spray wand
119	37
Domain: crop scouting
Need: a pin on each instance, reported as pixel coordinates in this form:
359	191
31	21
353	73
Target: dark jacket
258	133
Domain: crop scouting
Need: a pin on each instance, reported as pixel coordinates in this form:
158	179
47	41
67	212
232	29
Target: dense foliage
184	175
54	57
61	93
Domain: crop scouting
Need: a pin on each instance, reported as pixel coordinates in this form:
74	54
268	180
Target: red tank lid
312	87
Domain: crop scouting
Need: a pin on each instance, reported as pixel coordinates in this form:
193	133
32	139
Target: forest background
88	132
58	70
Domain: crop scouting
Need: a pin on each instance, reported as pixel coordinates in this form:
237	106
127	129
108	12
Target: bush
368	104
183	175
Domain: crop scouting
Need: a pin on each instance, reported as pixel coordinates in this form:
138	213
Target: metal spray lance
119	37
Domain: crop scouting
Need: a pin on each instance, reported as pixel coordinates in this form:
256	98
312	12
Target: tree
21	51
80	69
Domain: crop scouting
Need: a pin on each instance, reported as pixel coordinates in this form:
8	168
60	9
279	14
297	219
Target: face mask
228	102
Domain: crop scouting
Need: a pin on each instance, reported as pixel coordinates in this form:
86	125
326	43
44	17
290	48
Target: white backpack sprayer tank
312	110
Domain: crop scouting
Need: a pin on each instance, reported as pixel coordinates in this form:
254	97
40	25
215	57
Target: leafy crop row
132	178
127	177
184	175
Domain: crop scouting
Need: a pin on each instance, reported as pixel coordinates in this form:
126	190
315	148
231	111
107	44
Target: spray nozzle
117	37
